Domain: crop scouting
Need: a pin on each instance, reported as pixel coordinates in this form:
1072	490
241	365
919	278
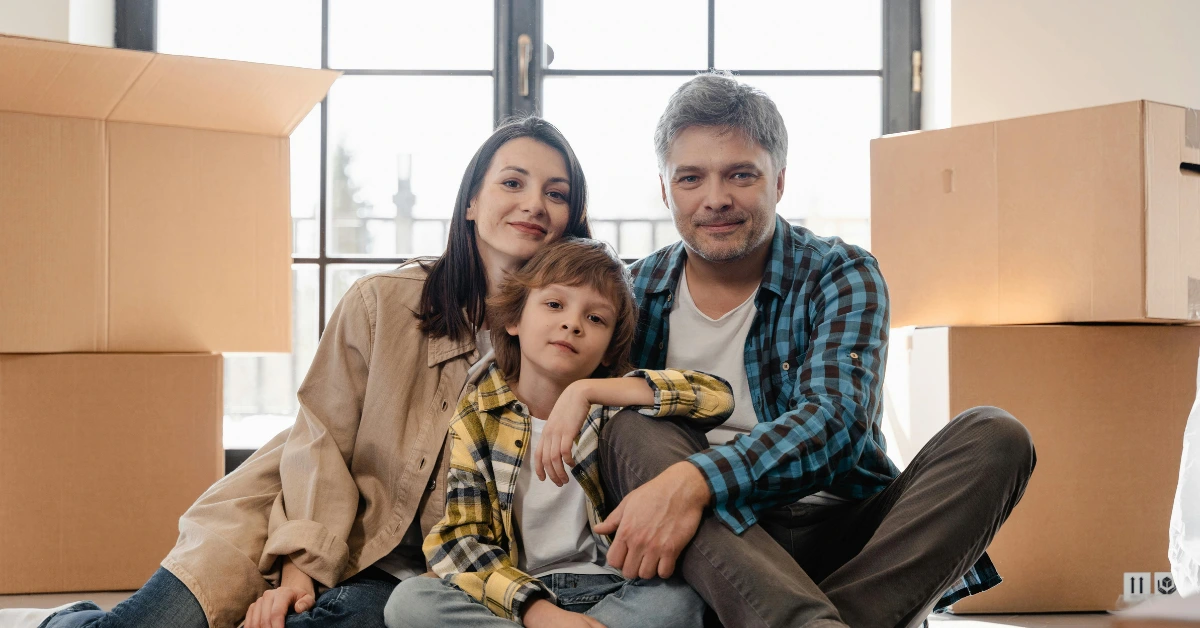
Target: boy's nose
574	329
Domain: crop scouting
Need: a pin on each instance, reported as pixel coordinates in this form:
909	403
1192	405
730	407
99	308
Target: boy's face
564	331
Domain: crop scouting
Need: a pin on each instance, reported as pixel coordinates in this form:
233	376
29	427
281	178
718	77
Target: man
798	325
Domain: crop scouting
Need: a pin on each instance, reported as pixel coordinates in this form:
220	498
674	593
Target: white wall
76	21
1011	58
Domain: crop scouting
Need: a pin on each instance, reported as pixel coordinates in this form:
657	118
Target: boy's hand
544	614
558	435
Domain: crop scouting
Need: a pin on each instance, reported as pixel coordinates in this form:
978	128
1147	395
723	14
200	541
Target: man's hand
656	521
295	592
544	614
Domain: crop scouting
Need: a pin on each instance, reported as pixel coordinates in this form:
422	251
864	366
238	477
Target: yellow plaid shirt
475	545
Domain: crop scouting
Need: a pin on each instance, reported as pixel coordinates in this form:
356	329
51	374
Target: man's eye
689	179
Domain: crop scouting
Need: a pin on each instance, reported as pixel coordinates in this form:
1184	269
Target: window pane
260	389
306	184
627	34
831	122
339	278
614	140
412	34
798	35
398	147
283	32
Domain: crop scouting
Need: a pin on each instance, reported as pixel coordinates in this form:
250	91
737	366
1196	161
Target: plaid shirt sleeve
704	399
464	547
833	399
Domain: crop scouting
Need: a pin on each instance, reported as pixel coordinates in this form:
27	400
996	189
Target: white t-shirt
718	346
715	346
552	522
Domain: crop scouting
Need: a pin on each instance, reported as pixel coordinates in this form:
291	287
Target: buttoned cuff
311	547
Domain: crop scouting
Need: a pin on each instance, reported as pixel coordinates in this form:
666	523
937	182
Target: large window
376	167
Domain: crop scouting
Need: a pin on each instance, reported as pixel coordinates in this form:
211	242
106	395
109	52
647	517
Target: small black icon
1166	585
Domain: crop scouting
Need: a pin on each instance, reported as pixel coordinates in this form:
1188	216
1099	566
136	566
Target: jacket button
432	485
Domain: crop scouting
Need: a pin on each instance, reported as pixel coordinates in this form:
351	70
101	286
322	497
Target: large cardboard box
1106	406
144	199
1081	216
99	456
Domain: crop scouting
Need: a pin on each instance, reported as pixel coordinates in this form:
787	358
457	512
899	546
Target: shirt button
669	295
854	356
660	345
518	443
786	366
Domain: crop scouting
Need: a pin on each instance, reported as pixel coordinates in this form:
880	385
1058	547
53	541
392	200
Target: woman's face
522	203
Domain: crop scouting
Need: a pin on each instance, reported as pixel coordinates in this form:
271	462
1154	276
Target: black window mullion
516	18
901	39
322	203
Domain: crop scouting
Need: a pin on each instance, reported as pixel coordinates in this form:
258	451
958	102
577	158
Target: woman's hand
544	614
295	592
558	435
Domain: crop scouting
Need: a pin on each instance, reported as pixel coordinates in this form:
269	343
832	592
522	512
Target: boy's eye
599	320
554	305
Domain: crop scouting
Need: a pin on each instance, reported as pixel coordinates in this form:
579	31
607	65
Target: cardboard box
144	199
1081	216
1106	406
99	456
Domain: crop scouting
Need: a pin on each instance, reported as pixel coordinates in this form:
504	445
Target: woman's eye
511	183
558	196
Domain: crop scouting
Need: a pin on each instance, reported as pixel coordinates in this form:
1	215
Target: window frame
136	28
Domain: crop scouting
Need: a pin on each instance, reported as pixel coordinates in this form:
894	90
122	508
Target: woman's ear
511	329
471	212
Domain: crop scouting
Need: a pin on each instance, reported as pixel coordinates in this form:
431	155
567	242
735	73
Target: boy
511	548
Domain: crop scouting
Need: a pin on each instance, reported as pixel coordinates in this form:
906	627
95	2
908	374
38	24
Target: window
376	167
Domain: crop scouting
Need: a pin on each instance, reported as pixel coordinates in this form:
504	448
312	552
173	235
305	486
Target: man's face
722	188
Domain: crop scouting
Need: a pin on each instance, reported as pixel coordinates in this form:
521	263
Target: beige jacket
364	459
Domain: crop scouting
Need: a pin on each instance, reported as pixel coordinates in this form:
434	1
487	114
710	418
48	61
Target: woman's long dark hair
455	294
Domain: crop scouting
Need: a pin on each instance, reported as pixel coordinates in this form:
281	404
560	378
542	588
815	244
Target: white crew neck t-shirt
715	346
552	522
718	346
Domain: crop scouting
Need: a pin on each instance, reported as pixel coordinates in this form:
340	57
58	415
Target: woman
323	521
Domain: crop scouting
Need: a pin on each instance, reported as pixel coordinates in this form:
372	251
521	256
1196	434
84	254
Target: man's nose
717	196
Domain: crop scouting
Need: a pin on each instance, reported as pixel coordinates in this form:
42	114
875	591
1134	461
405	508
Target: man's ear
779	184
663	185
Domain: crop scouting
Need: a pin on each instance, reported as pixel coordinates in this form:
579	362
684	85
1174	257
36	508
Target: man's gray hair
717	99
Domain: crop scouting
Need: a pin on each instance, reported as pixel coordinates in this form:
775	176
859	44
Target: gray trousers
882	562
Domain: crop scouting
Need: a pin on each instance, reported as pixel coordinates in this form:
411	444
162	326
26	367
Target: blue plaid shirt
814	359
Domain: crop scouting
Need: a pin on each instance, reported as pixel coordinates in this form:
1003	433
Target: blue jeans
612	600
165	601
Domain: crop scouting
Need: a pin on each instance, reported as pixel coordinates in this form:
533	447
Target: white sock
28	617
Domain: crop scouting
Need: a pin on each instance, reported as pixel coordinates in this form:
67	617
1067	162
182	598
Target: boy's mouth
566	345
